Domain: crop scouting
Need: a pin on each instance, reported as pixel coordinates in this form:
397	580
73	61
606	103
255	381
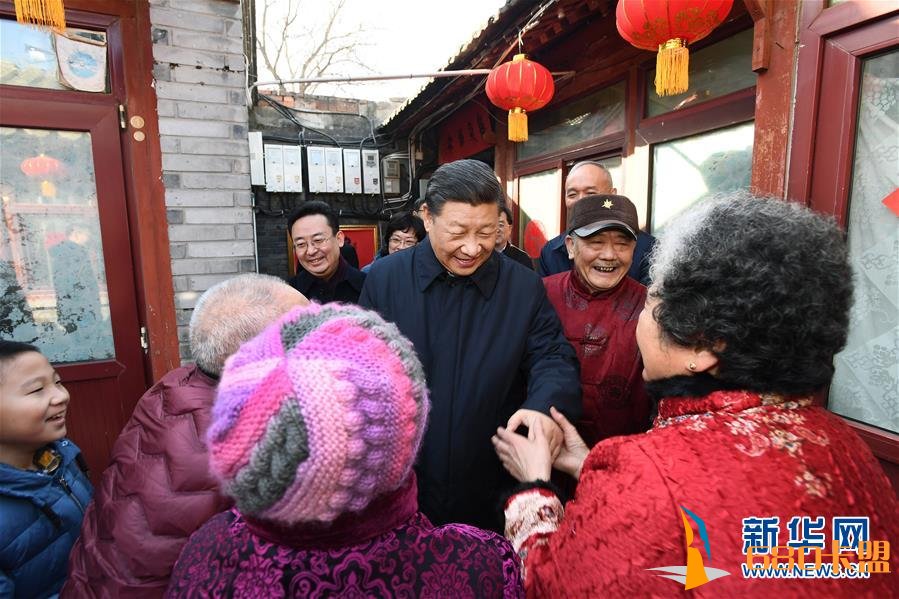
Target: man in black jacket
325	276
504	243
454	297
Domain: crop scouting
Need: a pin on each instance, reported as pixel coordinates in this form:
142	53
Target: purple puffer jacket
388	550
155	493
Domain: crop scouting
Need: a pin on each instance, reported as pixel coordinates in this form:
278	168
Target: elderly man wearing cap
599	305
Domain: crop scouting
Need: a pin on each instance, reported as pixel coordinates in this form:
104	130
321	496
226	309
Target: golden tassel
518	125
41	13
672	68
48	190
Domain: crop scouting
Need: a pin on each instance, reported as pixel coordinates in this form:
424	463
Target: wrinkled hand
532	418
526	458
574	450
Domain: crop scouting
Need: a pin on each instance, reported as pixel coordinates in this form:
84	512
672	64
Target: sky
400	37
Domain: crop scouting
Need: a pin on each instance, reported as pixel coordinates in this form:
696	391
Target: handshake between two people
551	442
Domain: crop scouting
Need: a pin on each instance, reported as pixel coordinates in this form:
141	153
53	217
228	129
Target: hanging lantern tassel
518	125
41	13
48	190
672	68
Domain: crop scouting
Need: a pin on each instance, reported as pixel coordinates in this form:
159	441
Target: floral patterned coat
719	459
389	550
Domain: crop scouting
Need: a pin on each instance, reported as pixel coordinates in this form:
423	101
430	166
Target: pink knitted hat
319	414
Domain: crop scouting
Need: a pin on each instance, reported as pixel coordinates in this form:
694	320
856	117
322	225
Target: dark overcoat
490	343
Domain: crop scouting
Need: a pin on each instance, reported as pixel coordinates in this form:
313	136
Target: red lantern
520	86
42	167
668	26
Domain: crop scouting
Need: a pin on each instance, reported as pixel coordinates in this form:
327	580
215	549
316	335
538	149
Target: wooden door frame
131	70
820	170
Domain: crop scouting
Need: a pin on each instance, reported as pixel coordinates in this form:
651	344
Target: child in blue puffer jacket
44	488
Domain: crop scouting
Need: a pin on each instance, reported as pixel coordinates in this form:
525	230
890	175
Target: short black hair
9	350
469	181
508	212
402	222
311	208
763	283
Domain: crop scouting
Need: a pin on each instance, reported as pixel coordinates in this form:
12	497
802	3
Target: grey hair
763	283
233	312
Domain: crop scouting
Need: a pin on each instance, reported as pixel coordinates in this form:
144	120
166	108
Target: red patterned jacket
156	491
725	457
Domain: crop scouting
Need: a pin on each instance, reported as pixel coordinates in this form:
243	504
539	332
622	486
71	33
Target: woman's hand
574	450
526	458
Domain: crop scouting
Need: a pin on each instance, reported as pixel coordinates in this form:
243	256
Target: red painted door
66	271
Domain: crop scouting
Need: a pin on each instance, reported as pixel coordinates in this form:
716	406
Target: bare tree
292	47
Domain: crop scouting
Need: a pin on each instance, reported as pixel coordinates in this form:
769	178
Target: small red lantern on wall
668	26
520	86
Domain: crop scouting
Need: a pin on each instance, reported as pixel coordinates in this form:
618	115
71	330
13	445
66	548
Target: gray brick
239	98
193	93
206	181
169	145
210	43
240	165
182	317
176	18
197	163
186	56
199	197
174	217
235	62
228	78
186	300
234	29
170	180
225	9
242	198
178	251
239	132
162	72
201	232
160	36
212	112
204	282
203	266
166	108
244	231
248	265
210	216
180	283
193	128
216	147
214	249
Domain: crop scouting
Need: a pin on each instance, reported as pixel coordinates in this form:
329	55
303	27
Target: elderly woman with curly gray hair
749	303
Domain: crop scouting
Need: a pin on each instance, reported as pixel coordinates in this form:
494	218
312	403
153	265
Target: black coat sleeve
551	364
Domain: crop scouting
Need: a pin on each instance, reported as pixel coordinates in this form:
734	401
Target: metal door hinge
144	340
123	117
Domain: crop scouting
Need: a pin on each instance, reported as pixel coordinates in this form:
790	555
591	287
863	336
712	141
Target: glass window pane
866	382
539	199
715	70
595	116
28	57
687	169
52	279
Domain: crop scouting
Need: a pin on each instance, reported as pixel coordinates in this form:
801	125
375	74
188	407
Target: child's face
33	402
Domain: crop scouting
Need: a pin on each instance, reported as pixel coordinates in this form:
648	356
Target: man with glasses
325	276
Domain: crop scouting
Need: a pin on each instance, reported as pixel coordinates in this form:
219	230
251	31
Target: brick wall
199	75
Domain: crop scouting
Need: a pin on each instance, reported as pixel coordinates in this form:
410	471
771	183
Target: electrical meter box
274	168
333	170
257	160
391	176
352	171
371	172
293	169
315	156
